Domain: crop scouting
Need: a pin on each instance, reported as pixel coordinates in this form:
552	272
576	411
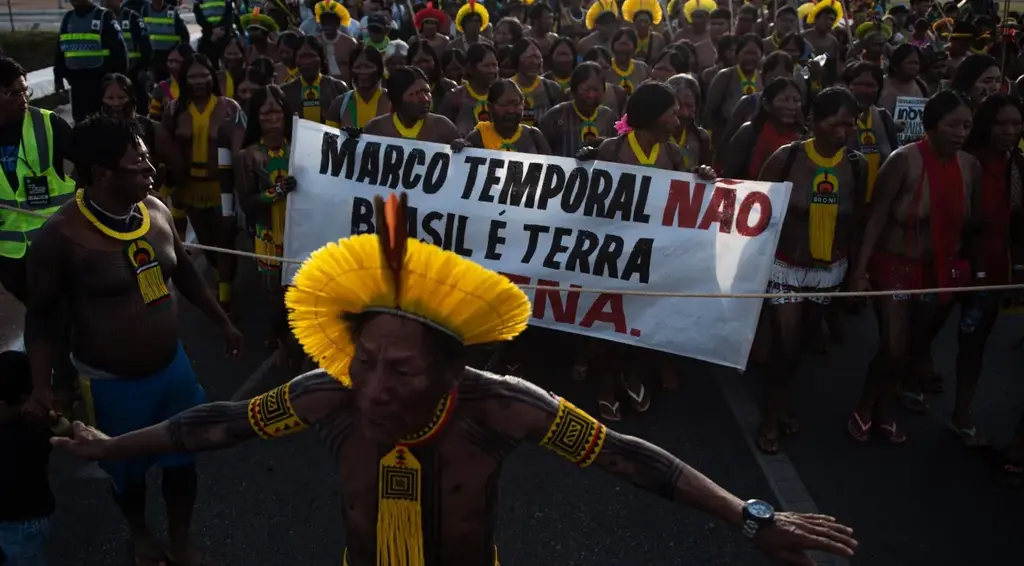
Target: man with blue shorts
104	262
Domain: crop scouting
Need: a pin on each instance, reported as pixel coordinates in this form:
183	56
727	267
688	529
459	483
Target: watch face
759	509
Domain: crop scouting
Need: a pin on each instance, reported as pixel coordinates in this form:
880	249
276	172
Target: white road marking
785	482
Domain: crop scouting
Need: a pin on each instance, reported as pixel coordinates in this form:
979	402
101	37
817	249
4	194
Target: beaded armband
271	415
575	435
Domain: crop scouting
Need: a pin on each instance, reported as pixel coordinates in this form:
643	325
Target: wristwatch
756	515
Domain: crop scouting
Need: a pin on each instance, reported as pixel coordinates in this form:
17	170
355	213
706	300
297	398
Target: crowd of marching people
770	91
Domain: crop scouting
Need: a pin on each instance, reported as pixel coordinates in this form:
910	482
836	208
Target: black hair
970	70
749	39
861	67
120	80
264	65
940	106
628	32
253	130
515	28
15	374
679	63
830	101
726	42
901	53
786	10
687	49
564	41
399	80
372	55
238	43
453	55
329	15
796	39
747	10
10	71
478	52
185	98
537	10
606	18
598	52
519	47
444	350
772	90
720	14
498	88
583	72
428	50
985	117
313	43
290	39
118	134
777	59
647	103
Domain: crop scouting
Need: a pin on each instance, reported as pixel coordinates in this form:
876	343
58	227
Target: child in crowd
26	501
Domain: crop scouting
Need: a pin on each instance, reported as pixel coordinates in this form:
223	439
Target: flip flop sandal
1012	473
889	432
969	436
609	411
641	401
767	443
858	429
913	402
579	373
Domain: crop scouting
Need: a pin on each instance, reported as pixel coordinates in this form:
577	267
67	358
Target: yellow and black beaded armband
271	415
575	435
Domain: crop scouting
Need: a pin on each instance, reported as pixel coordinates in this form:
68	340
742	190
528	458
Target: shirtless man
337	46
505	131
819	35
399	387
542	19
700	36
470	23
607	24
429	21
411	117
103	263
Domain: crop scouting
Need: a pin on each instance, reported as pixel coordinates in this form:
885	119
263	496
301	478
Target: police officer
33	143
166	30
140	53
91	46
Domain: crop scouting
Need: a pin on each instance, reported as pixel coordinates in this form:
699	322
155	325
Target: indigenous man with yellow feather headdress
332	17
388	319
470	21
644	15
696	13
603	21
825	15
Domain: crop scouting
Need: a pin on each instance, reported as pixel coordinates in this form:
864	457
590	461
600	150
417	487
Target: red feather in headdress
431	13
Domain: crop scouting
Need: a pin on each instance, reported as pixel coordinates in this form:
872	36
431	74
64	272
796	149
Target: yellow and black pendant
148	273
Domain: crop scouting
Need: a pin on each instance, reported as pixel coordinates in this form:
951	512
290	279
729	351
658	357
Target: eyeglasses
26	94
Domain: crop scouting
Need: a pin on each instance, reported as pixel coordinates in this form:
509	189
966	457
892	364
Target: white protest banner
909	111
553	221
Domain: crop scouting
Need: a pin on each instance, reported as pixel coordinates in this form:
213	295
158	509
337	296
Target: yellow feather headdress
598	8
835	5
472	7
390	272
335	7
698	6
805	10
632	8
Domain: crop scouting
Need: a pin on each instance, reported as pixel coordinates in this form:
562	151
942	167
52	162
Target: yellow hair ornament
632	8
598	8
330	6
472	7
805	10
693	6
834	5
390	272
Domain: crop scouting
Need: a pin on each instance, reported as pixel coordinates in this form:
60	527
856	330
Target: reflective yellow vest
35	162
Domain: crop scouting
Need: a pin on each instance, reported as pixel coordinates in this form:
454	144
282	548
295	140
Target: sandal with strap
889	432
610	411
641	401
858	429
969	436
913	402
767	443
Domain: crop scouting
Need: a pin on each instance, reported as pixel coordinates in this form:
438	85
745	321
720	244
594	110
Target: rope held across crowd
638	293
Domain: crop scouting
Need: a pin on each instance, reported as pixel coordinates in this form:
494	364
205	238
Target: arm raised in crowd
282	411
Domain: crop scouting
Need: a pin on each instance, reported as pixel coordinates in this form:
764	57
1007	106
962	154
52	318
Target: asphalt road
929	502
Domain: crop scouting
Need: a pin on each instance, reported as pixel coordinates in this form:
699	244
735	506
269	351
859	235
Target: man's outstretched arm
285	410
524	411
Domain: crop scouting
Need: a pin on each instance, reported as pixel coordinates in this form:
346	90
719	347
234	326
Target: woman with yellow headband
313	92
819	235
367	99
467	105
645	15
208	129
389	319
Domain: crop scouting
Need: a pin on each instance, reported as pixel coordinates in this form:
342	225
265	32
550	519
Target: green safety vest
162	36
213	10
81	40
129	41
35	162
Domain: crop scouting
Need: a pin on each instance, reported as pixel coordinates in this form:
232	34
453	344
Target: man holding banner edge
391	344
